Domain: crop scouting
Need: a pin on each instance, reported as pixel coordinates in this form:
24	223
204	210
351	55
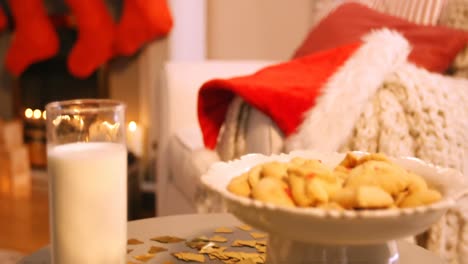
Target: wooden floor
24	222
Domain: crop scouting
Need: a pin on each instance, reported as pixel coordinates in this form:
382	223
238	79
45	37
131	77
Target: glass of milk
87	168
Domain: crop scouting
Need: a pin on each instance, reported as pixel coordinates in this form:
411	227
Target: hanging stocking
95	37
34	38
3	20
141	21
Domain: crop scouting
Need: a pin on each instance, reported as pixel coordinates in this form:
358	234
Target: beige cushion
187	164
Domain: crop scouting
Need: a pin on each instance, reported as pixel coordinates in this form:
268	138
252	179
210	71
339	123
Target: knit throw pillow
455	14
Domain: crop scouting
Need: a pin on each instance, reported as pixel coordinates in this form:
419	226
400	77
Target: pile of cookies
368	182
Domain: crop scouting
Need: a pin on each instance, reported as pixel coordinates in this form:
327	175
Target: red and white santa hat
315	100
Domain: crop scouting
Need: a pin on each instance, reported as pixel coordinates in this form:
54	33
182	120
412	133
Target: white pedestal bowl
313	235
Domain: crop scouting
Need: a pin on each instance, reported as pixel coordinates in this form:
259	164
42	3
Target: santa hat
310	93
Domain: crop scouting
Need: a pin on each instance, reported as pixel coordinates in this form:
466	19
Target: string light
28	113
132	126
37	114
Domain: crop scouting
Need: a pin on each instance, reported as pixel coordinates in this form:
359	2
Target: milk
88	200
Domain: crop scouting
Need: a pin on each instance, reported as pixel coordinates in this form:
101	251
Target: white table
192	226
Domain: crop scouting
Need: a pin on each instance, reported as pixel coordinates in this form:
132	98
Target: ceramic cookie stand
313	235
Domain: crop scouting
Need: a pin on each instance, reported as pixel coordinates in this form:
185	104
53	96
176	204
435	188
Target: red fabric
66	21
34	38
434	47
142	21
96	31
3	20
282	91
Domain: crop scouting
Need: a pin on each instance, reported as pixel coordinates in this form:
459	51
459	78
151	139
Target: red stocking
142	21
34	39
95	36
3	20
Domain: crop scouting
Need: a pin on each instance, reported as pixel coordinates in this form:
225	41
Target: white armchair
182	158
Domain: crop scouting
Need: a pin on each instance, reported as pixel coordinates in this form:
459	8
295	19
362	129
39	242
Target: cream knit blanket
425	115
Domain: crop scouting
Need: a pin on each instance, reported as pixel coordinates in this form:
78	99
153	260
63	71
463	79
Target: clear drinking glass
87	167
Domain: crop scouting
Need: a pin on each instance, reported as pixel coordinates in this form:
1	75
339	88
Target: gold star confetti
154	250
246	261
197	243
245	227
257	235
168	239
242	243
144	257
189	256
133	241
260	248
231	257
218	239
207	246
223	230
218	255
211	248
